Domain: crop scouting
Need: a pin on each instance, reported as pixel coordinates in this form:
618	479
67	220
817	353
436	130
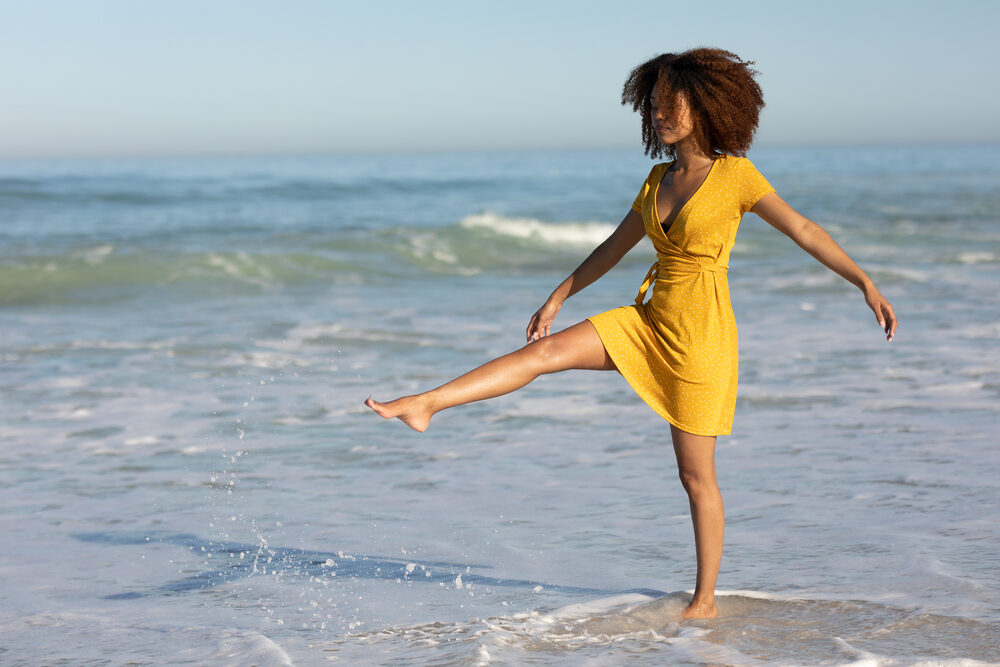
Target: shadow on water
247	560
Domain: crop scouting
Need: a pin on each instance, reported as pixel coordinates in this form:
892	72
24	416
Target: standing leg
696	465
576	347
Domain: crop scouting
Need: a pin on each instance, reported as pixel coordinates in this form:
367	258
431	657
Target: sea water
188	474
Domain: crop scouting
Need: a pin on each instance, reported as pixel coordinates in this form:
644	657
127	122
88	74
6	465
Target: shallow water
188	476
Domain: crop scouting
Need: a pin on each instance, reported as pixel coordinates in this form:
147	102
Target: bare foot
410	410
699	610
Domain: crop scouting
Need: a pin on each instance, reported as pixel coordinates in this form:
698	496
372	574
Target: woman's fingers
541	322
538	330
532	331
884	314
535	331
891	321
886	318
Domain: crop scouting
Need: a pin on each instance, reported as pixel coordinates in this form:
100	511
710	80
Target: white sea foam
797	281
863	658
571	407
95	255
79	632
428	247
72	412
976	257
620	620
67	382
239	648
241	266
335	334
954	387
572	233
261	359
755	595
990	330
293	421
142	440
962	662
599	606
104	344
433	249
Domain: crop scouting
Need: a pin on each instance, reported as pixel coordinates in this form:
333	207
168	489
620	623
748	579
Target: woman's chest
706	223
675	191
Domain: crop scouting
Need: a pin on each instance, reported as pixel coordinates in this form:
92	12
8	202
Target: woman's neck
687	156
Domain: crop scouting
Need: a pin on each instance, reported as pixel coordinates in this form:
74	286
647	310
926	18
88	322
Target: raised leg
696	466
576	347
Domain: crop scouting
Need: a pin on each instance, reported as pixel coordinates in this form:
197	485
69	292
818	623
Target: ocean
188	474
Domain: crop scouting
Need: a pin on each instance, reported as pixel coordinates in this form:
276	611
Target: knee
544	352
698	484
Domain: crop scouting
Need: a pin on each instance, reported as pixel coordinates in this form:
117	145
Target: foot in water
410	410
700	610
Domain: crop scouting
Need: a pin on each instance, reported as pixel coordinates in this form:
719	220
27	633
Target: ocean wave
119	268
106	274
128	189
79	191
753	628
976	257
486	241
584	234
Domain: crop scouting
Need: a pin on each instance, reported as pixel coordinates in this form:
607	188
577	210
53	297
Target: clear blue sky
153	77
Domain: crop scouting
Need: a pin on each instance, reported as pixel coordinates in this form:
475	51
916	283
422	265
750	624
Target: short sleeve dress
679	350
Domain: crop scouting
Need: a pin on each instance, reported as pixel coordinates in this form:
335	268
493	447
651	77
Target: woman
679	349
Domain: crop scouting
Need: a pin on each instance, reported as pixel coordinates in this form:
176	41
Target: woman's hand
629	232
541	321
883	311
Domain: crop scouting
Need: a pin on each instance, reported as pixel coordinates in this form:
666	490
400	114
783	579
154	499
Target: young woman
679	349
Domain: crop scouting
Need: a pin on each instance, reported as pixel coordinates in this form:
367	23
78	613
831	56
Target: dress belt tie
674	267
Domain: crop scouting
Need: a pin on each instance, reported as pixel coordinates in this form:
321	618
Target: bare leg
576	347
696	465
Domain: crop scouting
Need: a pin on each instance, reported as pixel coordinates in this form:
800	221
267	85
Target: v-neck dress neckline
664	228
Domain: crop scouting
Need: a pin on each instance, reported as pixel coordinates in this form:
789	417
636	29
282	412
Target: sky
93	78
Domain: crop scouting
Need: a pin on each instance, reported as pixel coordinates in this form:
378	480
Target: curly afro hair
724	98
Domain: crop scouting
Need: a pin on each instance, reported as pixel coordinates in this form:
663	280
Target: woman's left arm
817	242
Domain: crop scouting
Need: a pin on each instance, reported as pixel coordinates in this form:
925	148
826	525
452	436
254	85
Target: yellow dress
679	350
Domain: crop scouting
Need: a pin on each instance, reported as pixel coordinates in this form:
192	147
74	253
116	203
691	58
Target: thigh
579	346
695	453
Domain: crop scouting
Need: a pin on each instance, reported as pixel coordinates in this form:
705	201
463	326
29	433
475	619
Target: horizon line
251	154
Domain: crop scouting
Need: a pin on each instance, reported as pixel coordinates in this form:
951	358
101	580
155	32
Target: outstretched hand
883	312
541	321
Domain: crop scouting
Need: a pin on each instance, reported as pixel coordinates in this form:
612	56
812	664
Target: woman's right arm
629	232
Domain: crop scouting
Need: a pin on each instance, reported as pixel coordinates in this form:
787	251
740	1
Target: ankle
700	608
699	599
426	403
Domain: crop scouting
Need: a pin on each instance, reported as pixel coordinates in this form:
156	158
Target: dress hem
659	411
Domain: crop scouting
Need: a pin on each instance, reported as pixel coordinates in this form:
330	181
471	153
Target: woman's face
671	130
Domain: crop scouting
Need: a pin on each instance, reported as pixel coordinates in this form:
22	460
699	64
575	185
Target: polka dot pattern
679	350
